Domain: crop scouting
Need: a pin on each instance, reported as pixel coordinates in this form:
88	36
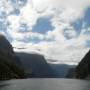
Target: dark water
45	84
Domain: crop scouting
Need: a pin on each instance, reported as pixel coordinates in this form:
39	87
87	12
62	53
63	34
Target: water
45	84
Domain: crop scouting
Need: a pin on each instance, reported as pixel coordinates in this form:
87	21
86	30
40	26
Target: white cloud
62	13
68	10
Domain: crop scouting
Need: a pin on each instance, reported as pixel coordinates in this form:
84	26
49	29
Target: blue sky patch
18	3
32	40
3	15
3	24
78	25
36	40
42	26
87	17
23	28
15	12
67	34
87	32
88	43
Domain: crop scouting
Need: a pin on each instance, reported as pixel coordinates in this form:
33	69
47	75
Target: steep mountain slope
83	69
8	67
36	64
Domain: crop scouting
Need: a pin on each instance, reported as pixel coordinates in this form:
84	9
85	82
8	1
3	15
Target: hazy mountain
36	64
61	69
71	73
8	66
83	68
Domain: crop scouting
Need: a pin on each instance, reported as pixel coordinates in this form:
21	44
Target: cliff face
36	64
83	69
8	66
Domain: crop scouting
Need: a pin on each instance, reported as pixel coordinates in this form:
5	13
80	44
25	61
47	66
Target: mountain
9	68
61	69
83	68
37	65
71	73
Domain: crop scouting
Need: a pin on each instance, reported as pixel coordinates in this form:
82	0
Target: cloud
64	38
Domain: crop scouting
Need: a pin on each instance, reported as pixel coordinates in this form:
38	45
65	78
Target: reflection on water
45	84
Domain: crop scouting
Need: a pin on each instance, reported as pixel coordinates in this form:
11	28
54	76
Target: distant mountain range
62	69
36	65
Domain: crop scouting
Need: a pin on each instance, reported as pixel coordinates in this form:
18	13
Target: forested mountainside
83	68
9	68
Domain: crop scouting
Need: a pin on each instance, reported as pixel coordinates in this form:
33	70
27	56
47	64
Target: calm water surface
45	84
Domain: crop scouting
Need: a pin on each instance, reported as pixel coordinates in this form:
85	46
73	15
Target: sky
57	29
